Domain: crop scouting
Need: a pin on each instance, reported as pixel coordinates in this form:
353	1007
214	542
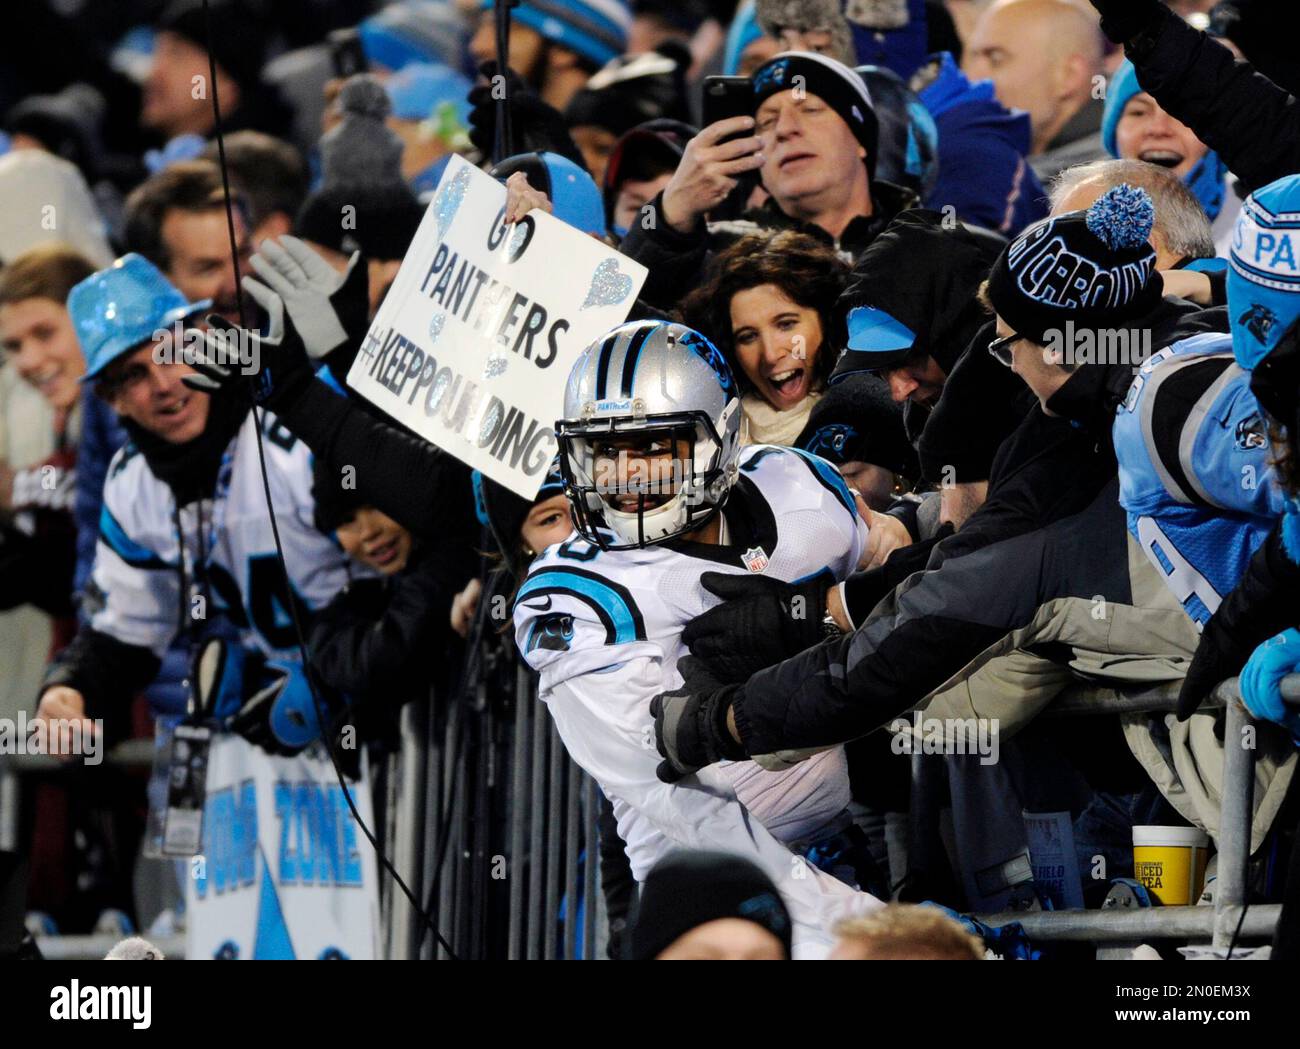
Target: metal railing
494	828
1231	917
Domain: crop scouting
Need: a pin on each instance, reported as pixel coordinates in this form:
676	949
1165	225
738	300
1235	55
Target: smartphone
726	97
346	53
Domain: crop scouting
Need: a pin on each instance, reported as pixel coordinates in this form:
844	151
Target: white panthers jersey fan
138	564
603	629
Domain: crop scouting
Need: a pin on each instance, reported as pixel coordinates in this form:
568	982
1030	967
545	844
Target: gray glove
320	301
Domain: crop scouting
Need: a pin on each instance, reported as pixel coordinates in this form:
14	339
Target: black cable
270	508
1245	906
502	139
468	675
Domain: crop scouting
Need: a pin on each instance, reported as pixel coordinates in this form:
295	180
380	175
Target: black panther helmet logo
1259	321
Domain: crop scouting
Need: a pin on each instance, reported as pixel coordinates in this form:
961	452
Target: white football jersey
603	629
138	557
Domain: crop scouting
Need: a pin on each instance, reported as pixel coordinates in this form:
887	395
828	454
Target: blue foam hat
1264	270
122	306
574	196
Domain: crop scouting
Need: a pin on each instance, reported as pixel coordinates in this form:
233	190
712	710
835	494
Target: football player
661	494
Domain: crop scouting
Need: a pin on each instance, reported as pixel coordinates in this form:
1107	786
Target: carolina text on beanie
1094	268
833	82
363	202
687	889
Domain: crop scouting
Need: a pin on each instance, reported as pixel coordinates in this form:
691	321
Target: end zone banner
473	344
285	872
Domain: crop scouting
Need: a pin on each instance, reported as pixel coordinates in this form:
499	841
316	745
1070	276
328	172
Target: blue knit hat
1264	278
121	307
413	31
592	29
1207	180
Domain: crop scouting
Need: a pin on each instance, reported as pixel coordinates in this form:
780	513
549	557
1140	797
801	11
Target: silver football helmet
643	392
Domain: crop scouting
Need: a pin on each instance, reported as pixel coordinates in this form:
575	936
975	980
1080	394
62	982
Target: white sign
285	872
473	344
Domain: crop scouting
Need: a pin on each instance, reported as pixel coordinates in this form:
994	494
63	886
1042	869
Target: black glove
535	127
691	723
761	622
279	368
1122	20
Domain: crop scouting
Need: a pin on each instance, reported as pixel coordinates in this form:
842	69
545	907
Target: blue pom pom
1122	217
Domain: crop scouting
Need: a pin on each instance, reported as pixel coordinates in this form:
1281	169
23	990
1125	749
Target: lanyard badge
216	677
187	788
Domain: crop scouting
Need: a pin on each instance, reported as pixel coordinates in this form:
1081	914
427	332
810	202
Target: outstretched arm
1252	124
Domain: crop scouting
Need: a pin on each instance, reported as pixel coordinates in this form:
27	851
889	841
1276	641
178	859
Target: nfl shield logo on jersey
755	558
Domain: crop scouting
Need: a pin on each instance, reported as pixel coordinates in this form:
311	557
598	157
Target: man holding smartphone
811	139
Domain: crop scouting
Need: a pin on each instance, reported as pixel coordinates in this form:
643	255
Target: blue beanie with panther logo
1264	270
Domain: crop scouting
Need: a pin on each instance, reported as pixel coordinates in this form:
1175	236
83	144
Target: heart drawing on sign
609	287
449	199
517	241
435	326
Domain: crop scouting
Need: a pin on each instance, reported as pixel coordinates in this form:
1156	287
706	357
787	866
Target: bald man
1044	56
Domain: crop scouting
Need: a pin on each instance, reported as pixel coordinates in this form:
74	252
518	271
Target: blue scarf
1208	182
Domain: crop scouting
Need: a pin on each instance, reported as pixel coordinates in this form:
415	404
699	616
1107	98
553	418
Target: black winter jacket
1051	470
1252	124
678	262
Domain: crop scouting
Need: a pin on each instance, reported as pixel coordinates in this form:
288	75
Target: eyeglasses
1001	348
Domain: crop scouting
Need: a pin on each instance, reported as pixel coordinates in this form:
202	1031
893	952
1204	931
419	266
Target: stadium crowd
966	372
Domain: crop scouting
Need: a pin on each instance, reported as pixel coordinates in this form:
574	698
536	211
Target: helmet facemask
625	495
